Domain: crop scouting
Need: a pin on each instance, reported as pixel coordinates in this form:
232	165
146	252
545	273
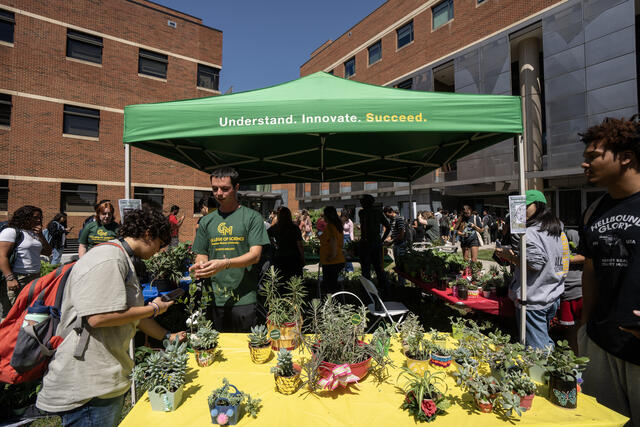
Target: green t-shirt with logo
94	233
230	237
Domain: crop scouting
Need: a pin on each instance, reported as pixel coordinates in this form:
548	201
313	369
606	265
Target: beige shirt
102	281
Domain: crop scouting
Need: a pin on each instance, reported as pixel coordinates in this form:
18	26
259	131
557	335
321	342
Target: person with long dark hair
331	256
547	266
286	239
23	238
468	229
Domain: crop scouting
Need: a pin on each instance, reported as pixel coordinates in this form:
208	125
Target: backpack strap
591	209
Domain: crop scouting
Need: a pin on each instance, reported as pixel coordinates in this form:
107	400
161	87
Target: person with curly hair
103	229
21	243
610	243
104	293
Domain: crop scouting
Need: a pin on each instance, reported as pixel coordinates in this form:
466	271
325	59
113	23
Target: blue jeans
56	256
95	413
538	322
348	266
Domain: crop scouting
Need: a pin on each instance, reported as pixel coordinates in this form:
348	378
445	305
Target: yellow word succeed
370	117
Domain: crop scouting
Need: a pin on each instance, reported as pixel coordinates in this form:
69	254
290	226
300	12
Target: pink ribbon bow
340	375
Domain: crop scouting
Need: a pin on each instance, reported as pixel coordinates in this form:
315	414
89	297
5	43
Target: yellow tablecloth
365	404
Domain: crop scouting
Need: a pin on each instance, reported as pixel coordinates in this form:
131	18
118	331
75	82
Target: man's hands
162	305
635	332
203	270
12	284
182	336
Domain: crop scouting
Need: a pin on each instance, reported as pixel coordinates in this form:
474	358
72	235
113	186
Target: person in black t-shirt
468	229
286	239
610	242
371	221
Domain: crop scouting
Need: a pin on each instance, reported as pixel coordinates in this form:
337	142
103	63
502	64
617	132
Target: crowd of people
596	287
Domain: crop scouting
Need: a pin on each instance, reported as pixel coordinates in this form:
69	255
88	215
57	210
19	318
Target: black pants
238	318
330	277
372	254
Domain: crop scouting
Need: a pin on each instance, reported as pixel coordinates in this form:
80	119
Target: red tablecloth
493	305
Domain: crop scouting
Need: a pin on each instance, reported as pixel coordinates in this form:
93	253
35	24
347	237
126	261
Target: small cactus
284	368
258	336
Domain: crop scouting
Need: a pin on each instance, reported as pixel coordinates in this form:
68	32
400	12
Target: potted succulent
167	267
437	337
564	368
424	395
284	311
473	290
418	353
339	354
485	390
163	373
205	342
259	344
441	356
461	289
458	326
227	404
381	339
522	385
464	356
410	326
286	373
487	288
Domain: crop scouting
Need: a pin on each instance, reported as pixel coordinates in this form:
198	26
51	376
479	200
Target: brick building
67	70
573	61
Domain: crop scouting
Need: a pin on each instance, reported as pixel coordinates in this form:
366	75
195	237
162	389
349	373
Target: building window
153	197
4	195
152	64
442	13
375	52
7	22
84	46
405	84
78	197
405	34
5	109
350	68
81	121
208	77
200	199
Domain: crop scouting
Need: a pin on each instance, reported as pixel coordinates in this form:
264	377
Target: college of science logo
224	230
101	232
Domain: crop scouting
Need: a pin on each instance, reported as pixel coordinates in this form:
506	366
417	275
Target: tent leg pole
127	194
523	247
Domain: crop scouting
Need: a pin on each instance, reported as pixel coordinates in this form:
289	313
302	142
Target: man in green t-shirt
227	245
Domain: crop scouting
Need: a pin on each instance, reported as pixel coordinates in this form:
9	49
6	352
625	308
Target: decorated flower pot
163	400
526	401
286	336
440	360
563	393
288	385
417	366
360	369
205	358
484	406
473	293
463	292
457	332
260	354
223	413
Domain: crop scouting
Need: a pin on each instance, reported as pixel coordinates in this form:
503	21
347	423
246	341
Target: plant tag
275	334
356	319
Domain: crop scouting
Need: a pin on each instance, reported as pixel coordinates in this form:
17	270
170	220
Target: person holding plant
547	267
22	237
331	256
610	243
227	245
286	240
103	229
103	298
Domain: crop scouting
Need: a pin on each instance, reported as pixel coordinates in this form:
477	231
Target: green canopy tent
323	128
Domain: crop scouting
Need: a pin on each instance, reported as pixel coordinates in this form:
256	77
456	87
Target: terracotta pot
563	393
289	335
526	401
260	354
288	385
486	294
205	358
417	366
484	406
440	360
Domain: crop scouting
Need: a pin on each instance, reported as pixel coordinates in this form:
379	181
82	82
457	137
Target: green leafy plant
163	368
259	336
418	347
563	363
410	326
520	383
381	338
196	302
228	394
441	351
284	367
424	394
437	335
170	264
46	268
206	337
286	307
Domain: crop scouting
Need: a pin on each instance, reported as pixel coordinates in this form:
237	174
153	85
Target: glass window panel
405	34
85	51
153	197
350	68
81	121
200	199
152	64
375	52
208	77
4	194
5	109
78	197
442	13
7	23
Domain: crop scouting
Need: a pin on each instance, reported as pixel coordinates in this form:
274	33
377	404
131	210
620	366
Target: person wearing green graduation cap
547	266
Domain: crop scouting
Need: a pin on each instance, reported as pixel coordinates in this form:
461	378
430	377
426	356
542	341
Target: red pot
359	369
525	402
485	407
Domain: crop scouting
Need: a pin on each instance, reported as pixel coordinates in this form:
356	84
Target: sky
265	42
